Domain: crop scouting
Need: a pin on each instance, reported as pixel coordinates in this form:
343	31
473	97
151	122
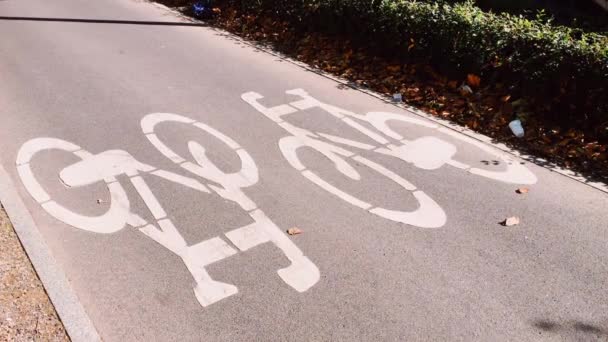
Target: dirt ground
26	313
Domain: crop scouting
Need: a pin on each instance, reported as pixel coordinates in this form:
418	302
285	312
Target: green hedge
533	57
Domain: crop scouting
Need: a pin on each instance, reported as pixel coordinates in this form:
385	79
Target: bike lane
379	278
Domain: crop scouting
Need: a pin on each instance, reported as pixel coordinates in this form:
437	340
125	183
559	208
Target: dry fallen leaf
393	68
294	231
511	221
522	190
453	84
473	80
348	54
472	124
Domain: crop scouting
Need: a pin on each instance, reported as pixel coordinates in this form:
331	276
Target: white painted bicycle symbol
106	166
427	153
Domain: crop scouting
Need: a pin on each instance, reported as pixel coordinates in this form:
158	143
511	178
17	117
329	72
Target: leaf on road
511	221
523	190
294	231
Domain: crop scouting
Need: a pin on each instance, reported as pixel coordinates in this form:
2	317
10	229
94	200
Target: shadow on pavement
103	21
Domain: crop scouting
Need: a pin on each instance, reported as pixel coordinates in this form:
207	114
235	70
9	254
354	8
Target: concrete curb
71	313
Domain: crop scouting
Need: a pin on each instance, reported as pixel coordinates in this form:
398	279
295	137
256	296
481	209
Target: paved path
162	165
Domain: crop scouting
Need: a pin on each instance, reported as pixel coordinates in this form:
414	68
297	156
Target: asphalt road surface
163	164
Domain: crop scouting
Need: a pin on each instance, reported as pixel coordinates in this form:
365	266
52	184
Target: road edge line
74	318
